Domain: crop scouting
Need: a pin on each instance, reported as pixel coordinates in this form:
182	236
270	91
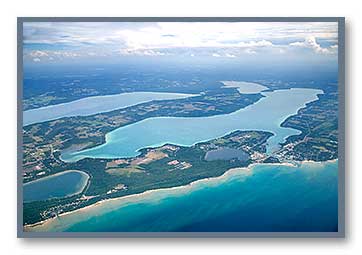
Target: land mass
42	142
169	165
162	167
318	123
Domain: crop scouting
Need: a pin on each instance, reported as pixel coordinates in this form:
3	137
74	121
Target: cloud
50	55
312	43
142	52
65	54
230	55
173	34
56	41
38	53
262	43
250	51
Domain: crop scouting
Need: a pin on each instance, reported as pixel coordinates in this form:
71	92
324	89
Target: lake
92	105
226	154
244	87
63	184
267	114
266	198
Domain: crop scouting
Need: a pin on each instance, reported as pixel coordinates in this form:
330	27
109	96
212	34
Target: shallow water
55	186
97	104
267	198
267	114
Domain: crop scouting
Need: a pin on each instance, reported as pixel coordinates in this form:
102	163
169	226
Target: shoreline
108	138
248	169
74	157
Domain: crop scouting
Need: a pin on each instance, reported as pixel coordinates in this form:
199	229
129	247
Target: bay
267	114
96	104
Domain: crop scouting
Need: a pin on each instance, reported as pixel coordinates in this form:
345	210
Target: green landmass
42	141
161	167
168	165
318	123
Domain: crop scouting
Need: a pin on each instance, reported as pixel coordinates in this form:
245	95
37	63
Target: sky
48	42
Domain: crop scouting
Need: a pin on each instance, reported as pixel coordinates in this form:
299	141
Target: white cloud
230	55
219	39
311	42
174	34
262	43
250	51
38	53
143	52
153	53
49	55
298	44
65	54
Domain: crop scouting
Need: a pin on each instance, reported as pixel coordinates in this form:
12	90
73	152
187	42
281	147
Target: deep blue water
267	198
58	185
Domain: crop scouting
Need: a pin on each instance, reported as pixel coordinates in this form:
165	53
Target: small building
173	162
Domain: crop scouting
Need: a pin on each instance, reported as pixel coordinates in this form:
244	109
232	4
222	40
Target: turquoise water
54	186
267	198
96	104
267	114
